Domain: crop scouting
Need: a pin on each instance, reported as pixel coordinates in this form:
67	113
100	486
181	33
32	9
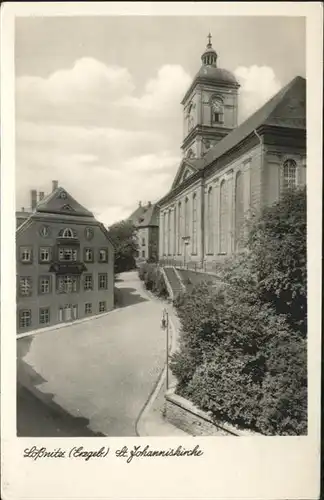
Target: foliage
153	279
278	245
243	349
123	237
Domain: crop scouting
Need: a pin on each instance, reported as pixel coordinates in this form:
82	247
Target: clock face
217	106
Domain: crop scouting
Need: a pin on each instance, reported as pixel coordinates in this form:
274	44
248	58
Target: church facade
228	172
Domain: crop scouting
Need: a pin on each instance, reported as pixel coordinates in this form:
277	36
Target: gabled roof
61	202
192	164
145	215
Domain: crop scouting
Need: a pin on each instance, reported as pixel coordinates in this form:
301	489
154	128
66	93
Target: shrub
236	360
153	279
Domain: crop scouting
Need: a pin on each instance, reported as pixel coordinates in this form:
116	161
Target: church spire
209	57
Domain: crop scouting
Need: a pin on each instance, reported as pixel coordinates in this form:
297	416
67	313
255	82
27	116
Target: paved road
96	376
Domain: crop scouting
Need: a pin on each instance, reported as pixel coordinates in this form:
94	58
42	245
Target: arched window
239	209
190	119
179	227
217	110
190	153
194	224
175	230
223	217
67	233
210	232
169	232
289	174
165	233
186	233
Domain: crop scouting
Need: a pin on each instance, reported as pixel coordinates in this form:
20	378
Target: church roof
216	75
62	203
286	109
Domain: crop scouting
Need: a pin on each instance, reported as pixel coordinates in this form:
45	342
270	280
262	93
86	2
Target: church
228	172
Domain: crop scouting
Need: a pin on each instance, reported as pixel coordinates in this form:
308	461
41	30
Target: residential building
146	221
65	263
229	172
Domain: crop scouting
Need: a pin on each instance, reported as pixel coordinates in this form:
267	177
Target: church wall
275	156
249	164
177	250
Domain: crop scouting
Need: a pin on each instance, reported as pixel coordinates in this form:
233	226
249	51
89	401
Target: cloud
162	93
109	147
258	85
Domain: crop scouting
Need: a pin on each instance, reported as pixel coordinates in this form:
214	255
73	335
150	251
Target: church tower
209	106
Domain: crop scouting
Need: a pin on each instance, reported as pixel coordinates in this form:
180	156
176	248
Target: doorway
68	312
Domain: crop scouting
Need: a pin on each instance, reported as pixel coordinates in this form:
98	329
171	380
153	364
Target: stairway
173	282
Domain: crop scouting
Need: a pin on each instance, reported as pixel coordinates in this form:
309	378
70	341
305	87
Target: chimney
54	185
149	203
41	195
139	203
33	198
22	209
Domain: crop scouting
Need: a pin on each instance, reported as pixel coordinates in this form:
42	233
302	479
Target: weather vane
209	39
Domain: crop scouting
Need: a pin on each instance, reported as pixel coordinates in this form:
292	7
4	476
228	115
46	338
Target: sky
98	98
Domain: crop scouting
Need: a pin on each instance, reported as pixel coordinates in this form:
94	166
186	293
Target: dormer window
67	233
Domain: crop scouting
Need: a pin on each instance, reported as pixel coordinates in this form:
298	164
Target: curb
158	384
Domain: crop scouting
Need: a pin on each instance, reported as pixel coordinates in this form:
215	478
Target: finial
209	40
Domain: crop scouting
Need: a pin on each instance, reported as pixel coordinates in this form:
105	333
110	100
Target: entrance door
75	312
68	312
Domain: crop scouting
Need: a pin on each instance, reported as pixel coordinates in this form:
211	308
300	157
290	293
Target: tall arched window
210	232
179	227
165	235
194	224
223	217
186	233
175	230
169	232
239	209
289	174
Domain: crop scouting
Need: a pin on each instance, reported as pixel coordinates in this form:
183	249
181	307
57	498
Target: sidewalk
152	421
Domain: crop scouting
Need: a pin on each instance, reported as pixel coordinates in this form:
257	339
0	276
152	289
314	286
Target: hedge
153	279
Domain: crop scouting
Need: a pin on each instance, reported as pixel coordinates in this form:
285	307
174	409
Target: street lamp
165	326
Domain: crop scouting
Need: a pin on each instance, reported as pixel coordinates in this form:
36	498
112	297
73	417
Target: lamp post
165	326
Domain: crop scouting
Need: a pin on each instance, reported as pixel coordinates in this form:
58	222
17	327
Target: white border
259	468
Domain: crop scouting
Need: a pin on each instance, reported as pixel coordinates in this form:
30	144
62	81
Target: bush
241	361
153	279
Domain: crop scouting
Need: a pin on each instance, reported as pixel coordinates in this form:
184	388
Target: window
223	217
88	308
194	224
26	254
289	174
175	230
143	253
44	284
102	307
217	110
88	283
67	284
179	228
25	286
103	255
67	233
169	232
103	281
88	255
239	209
210	232
165	234
67	254
186	217
25	318
44	316
44	254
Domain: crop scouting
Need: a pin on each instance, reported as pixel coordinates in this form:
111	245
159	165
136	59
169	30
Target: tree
123	237
277	243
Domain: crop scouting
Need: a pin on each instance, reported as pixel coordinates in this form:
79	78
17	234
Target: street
92	378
